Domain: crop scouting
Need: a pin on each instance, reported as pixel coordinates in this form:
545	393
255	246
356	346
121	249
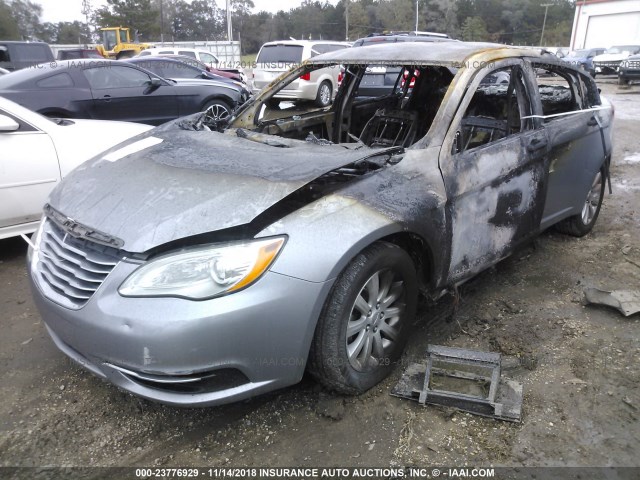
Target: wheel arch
220	97
418	248
420	252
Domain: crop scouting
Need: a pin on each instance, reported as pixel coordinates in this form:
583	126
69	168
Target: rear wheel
580	225
323	97
364	324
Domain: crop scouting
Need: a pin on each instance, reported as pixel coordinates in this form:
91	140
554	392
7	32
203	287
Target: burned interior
397	113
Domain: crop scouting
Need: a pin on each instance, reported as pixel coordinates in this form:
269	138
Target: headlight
202	273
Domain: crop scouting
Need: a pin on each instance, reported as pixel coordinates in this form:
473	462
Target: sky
69	10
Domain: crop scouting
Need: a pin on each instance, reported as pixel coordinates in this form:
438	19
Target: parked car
394	37
174	69
211	266
559	52
629	70
115	90
381	80
203	56
277	57
74	53
37	152
609	62
231	73
584	58
19	55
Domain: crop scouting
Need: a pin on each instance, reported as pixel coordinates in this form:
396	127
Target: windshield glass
629	49
109	39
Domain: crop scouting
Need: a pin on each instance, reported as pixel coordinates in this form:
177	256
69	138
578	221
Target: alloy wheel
593	199
375	320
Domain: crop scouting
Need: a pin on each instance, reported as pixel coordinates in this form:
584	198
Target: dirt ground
578	364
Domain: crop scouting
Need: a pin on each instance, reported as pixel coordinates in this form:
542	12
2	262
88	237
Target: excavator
116	43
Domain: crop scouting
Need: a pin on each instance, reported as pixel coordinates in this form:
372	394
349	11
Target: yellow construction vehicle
116	43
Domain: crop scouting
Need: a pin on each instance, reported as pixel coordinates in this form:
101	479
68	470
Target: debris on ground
627	301
464	379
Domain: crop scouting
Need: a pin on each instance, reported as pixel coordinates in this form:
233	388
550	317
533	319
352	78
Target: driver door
493	164
126	93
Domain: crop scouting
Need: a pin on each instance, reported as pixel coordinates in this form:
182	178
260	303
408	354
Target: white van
277	57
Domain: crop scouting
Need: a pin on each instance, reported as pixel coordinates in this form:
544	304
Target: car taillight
306	76
340	77
416	74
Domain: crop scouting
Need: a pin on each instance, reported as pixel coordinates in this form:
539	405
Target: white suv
277	57
204	56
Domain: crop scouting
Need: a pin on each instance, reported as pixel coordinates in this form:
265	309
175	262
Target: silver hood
170	183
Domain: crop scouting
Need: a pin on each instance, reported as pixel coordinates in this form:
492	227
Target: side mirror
8	124
156	82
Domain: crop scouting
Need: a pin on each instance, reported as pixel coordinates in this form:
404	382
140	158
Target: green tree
397	14
9	29
26	14
136	14
474	30
70	32
198	20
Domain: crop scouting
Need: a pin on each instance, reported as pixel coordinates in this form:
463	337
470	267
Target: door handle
536	144
592	122
107	98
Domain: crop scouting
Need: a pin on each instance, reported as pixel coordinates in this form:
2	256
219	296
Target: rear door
566	99
122	92
493	164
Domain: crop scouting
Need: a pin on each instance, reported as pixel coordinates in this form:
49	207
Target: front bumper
630	74
174	350
607	67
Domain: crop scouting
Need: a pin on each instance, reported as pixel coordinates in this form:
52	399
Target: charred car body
198	267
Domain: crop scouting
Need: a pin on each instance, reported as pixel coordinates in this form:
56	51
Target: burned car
197	266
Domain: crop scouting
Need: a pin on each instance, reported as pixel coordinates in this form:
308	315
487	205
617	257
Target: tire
581	224
622	81
323	97
215	110
377	336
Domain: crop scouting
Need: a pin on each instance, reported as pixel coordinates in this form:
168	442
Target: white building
603	23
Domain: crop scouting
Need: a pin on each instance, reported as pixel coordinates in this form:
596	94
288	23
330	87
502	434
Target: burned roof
443	53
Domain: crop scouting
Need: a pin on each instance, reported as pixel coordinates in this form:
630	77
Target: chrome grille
612	64
72	268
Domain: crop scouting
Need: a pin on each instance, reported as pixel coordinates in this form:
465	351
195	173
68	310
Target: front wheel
580	225
364	324
323	97
215	111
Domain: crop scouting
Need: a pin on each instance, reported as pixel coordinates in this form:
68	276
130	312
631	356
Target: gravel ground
578	364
